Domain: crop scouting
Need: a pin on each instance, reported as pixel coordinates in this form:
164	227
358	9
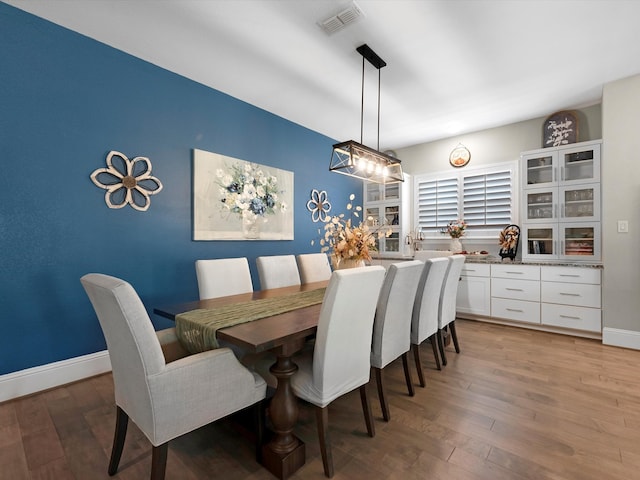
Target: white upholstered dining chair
164	399
424	323
340	360
223	276
313	267
392	325
277	271
447	311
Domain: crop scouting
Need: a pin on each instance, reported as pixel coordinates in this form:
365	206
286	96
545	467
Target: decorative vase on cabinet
456	245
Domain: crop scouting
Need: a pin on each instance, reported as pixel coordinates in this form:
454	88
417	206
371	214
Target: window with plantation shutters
487	199
436	202
484	197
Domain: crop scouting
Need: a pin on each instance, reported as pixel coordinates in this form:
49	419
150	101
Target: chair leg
454	336
416	356
441	347
366	409
436	354
322	419
260	413
384	406
407	373
122	421
159	461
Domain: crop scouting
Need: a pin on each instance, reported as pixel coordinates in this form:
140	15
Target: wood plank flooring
516	404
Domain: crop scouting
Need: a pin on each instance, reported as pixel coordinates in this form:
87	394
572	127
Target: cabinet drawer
581	295
579	318
519	310
516	289
521	272
476	270
571	275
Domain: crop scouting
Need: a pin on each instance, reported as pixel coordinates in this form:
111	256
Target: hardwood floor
515	404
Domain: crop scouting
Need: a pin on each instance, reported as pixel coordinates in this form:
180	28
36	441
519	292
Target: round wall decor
459	156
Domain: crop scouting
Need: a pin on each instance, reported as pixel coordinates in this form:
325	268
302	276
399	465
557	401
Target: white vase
349	263
456	245
250	225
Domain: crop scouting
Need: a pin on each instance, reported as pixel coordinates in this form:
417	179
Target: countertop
492	259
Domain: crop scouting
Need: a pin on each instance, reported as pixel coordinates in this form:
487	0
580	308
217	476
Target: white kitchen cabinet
474	289
550	297
388	206
579	241
565	165
571	297
515	292
561	203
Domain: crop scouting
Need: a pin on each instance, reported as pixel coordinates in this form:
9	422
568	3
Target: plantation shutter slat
487	199
437	202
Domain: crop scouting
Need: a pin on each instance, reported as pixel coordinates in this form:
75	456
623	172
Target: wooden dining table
283	334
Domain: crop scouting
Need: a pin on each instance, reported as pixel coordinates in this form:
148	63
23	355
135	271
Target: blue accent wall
65	102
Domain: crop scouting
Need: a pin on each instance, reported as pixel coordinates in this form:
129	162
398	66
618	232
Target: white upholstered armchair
165	400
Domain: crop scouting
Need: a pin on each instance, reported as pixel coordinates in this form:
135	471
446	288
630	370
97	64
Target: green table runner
197	329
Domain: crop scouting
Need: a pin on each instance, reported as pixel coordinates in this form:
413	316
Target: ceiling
453	66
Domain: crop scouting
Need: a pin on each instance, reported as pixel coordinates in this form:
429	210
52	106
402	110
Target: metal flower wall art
319	206
127	182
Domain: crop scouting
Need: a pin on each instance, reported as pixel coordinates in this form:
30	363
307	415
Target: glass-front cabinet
561	203
562	241
387	206
570	164
570	203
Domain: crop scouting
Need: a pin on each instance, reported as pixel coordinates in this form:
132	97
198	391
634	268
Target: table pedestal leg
285	453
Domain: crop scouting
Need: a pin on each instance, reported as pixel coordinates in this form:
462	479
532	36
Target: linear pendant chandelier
357	160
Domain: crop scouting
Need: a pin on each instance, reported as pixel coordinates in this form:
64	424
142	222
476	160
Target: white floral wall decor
127	182
239	200
319	205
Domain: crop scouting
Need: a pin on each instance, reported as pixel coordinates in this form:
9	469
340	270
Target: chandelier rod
378	147
362	103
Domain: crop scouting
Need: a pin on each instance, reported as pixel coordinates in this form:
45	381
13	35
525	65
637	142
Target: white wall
500	144
621	201
488	147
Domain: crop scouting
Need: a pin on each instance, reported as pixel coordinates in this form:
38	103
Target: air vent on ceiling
342	19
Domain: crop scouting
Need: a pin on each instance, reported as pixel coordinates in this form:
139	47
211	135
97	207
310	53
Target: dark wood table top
285	330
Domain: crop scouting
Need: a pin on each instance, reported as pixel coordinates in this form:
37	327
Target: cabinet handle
514	310
569	275
569	316
570	294
514	289
514	273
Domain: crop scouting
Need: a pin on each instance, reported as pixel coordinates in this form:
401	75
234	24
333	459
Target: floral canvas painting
238	200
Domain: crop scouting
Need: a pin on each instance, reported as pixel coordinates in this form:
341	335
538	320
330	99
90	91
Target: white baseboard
36	379
621	338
